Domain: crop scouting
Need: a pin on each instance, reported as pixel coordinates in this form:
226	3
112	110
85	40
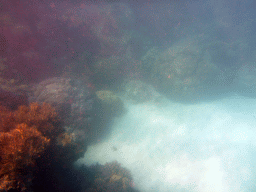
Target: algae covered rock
140	92
71	97
148	61
184	73
194	68
110	103
26	135
112	29
111	177
110	69
73	100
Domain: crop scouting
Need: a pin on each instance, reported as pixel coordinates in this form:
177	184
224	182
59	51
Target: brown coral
18	149
112	177
66	139
43	117
25	134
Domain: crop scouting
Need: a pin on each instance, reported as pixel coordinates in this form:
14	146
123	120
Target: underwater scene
127	96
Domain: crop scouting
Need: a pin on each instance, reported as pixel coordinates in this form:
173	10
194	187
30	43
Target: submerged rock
73	100
110	103
110	69
187	72
12	100
140	92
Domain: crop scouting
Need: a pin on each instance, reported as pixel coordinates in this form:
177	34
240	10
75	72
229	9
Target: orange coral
69	149
6	120
24	135
112	177
65	139
43	117
19	148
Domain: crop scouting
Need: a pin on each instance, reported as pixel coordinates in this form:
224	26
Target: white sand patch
206	147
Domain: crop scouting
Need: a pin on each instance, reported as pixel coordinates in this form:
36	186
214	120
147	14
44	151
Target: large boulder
110	103
111	177
109	70
187	71
73	100
139	92
112	28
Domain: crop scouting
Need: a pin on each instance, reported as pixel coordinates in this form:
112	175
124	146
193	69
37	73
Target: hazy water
204	147
168	146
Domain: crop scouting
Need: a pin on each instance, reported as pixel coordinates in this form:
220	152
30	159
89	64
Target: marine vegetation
25	135
111	177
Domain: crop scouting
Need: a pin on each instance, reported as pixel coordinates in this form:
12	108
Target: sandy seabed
206	147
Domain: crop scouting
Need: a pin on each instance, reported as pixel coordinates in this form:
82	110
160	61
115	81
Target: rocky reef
110	103
34	144
26	134
138	92
187	70
110	69
73	100
111	177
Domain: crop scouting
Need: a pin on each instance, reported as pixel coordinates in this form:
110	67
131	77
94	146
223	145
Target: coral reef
19	149
72	99
183	72
25	135
75	103
43	117
192	68
70	147
33	145
111	178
